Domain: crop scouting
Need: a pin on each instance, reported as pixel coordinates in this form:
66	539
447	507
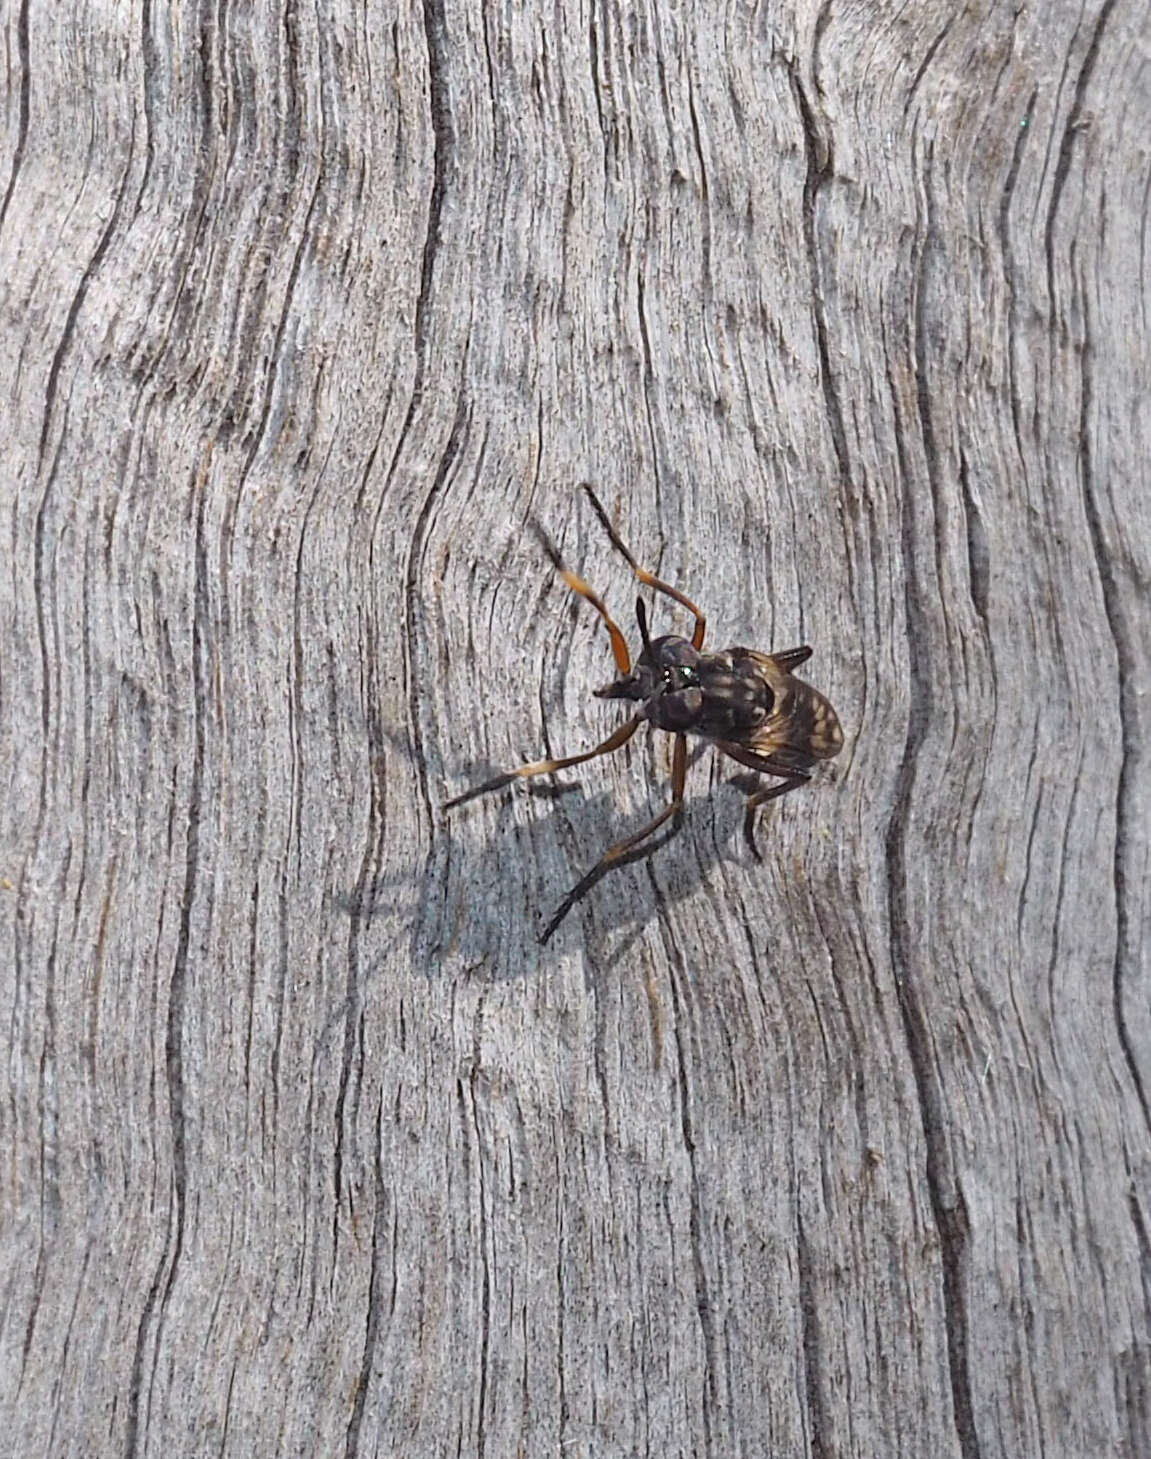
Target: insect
748	704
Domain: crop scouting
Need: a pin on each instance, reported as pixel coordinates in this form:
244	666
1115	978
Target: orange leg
649	579
547	767
577	585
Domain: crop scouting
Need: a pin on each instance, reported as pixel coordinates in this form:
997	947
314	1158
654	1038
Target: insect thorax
722	696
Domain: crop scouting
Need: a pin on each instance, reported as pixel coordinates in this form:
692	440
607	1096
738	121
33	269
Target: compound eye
680	676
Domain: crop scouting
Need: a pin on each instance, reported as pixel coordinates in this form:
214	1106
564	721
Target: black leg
760	798
547	767
644	576
614	855
791	776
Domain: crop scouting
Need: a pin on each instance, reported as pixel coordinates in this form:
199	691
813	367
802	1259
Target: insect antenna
641	616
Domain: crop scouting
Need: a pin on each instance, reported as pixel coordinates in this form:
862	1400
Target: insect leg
617	854
577	585
546	767
649	579
792	778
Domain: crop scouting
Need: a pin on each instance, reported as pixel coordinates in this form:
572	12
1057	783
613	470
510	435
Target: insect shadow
475	906
481	898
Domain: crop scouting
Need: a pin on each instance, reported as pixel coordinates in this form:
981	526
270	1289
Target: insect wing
802	727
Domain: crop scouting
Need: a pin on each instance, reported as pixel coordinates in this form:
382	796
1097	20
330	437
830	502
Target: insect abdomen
806	723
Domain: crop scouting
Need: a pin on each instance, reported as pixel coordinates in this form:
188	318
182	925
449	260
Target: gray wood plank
310	1148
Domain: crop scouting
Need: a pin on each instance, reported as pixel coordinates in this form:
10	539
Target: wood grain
308	1147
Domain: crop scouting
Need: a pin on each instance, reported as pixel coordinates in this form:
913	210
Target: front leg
548	767
645	577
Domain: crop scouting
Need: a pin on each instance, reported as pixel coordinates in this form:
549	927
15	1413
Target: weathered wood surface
308	1147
